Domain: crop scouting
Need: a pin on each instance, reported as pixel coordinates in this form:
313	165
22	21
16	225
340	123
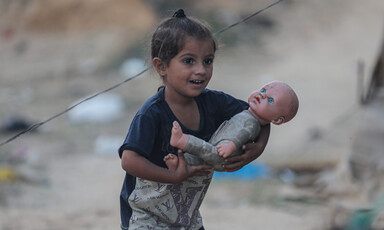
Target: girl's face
189	72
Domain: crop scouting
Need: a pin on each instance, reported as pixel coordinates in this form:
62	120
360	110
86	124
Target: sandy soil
64	182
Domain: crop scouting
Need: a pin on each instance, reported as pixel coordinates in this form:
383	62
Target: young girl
152	196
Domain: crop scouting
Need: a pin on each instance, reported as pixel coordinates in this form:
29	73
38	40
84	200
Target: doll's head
275	102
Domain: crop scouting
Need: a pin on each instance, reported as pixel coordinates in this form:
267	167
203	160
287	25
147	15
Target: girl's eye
208	61
270	100
188	61
262	90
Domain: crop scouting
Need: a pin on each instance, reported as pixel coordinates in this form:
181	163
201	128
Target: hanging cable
35	126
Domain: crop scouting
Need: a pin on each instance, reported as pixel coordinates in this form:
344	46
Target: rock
107	145
15	124
101	109
131	67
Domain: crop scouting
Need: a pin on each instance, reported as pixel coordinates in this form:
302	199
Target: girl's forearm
139	166
264	136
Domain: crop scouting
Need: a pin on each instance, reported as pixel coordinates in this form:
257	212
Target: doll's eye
270	100
262	90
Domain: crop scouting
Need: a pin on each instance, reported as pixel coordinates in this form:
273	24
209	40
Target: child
275	103
152	196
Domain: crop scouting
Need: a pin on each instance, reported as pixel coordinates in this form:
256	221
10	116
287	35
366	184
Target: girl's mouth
196	82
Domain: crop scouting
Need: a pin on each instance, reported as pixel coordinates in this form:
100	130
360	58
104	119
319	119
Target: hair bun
179	14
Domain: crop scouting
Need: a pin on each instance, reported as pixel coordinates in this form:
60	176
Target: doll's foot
178	138
172	161
226	149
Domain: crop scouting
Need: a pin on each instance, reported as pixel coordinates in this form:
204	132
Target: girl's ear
159	66
278	121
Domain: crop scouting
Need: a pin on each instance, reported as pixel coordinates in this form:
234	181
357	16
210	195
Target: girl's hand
251	152
185	171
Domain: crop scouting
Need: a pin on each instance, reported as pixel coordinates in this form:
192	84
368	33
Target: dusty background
54	53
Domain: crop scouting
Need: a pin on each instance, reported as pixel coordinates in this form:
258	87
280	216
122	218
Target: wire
246	18
35	126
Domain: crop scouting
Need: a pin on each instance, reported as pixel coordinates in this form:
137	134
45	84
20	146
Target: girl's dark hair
169	37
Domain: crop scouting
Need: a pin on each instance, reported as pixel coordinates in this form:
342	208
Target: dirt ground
57	177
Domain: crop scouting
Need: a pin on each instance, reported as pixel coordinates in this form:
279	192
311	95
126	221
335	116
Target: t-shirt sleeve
140	137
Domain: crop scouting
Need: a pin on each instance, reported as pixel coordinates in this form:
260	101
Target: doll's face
271	103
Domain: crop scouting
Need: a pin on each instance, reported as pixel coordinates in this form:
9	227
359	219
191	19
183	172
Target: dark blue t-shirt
150	131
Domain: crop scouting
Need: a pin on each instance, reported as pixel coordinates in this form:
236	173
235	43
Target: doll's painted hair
169	37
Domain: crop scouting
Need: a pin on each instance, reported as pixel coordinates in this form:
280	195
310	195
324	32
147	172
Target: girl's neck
177	100
185	110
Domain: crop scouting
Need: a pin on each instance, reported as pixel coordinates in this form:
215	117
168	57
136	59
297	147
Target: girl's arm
139	166
251	151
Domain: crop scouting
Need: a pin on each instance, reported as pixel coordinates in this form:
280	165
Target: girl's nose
200	69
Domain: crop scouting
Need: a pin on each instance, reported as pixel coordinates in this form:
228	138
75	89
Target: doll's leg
206	151
172	161
178	138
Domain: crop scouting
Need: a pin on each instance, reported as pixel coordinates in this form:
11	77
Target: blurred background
321	171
